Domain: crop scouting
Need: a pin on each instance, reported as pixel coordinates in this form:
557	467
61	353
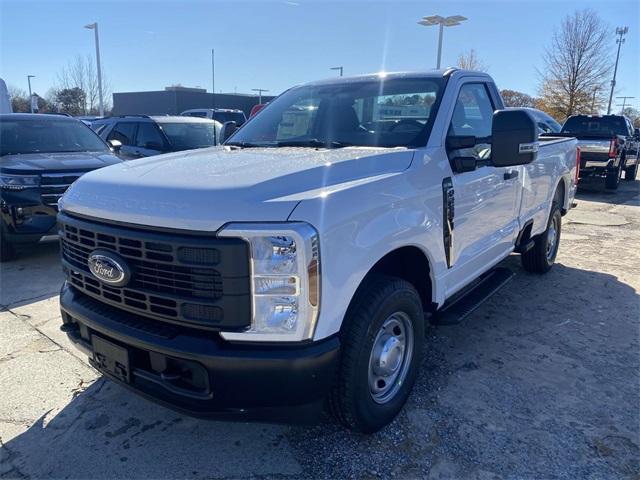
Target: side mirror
462	141
637	133
514	138
115	145
228	129
464	164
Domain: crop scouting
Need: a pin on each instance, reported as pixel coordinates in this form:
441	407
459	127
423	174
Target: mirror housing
115	145
228	129
461	141
464	164
514	138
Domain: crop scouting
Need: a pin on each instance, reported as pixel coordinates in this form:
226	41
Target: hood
34	163
203	189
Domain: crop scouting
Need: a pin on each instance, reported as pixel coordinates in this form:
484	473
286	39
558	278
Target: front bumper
197	373
24	218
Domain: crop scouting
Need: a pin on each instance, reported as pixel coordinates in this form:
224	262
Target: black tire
540	259
630	173
351	400
612	180
7	250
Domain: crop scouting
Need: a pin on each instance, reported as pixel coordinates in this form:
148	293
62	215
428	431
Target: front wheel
630	173
540	258
382	339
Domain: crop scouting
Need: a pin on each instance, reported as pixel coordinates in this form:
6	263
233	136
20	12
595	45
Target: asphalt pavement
542	381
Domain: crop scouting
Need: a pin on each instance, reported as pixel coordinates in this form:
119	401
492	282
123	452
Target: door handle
511	174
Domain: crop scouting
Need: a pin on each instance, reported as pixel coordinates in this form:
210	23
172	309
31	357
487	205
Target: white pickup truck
296	266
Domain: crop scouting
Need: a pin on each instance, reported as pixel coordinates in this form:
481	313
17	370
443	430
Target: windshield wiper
248	144
312	142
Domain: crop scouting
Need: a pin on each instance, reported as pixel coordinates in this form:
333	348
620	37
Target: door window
149	137
124	132
472	117
473	113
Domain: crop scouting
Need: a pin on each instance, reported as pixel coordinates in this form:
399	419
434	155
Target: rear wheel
630	173
381	344
540	258
612	180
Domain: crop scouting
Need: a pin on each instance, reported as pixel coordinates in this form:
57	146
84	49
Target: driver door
486	199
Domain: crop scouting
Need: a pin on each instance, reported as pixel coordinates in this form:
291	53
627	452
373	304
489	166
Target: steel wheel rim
552	238
390	357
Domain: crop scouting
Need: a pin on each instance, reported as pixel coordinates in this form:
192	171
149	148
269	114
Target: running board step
465	302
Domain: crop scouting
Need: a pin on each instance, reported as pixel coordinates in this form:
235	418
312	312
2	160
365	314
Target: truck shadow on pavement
627	193
544	388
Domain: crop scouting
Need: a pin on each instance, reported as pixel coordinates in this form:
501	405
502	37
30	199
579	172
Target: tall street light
443	22
337	68
621	32
213	80
259	90
29	77
94	27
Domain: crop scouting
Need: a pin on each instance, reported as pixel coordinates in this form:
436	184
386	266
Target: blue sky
147	45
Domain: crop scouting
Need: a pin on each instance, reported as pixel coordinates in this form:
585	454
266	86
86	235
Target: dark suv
144	136
40	156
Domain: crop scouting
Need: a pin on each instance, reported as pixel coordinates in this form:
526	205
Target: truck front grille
53	186
180	278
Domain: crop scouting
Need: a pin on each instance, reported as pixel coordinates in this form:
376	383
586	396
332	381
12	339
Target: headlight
18	182
285	280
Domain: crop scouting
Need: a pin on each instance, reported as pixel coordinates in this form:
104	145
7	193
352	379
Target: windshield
47	136
186	136
597	126
375	113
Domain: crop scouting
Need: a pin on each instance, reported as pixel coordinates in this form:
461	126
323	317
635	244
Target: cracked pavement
541	381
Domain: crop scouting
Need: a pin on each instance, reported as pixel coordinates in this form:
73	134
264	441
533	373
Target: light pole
443	22
621	32
29	77
94	27
259	90
624	103
337	68
213	80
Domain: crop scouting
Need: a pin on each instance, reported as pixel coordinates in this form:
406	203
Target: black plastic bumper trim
247	382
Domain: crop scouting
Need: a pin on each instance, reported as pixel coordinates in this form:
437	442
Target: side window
123	132
473	112
544	128
149	137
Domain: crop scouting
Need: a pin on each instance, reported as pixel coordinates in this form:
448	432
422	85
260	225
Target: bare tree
470	61
81	73
576	65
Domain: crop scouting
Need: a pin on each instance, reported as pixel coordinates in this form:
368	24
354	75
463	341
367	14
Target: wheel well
410	264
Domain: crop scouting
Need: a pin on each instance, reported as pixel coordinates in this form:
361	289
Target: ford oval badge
109	268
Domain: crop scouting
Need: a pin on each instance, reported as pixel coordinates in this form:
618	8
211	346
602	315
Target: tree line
574	80
578	66
76	91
